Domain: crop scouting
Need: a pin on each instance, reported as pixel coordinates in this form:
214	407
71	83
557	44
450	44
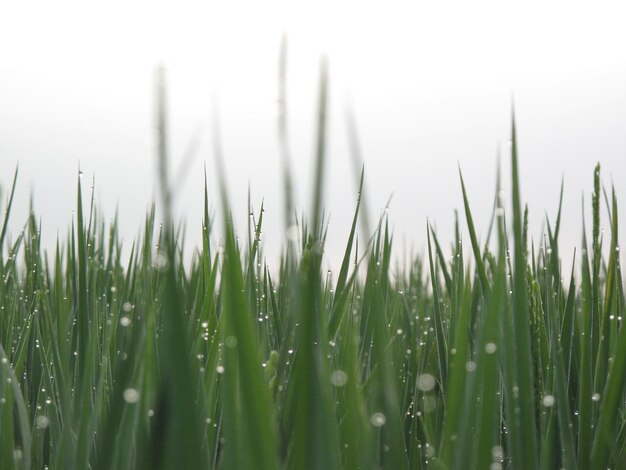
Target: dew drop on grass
42	422
426	382
219	369
548	400
131	395
338	378
497	453
470	366
160	261
596	397
124	321
127	306
430	450
378	419
230	341
5	360
490	348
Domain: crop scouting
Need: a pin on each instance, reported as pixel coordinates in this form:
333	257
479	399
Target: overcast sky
431	84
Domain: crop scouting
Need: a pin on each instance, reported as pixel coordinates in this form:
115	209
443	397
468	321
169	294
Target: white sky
431	84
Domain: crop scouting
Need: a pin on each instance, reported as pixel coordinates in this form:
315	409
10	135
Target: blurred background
431	85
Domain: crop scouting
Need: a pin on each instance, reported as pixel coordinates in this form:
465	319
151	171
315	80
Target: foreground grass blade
612	395
173	417
315	444
527	431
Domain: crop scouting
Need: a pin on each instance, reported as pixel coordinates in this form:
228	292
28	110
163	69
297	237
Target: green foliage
143	361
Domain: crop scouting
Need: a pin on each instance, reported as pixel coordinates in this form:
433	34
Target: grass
499	357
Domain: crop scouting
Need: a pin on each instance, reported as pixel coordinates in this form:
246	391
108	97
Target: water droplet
378	419
497	453
338	378
490	348
124	321
127	306
470	366
596	397
548	400
219	369
131	395
426	382
160	261
42	422
230	341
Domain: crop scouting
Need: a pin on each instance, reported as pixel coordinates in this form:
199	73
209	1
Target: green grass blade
612	394
7	210
480	267
521	318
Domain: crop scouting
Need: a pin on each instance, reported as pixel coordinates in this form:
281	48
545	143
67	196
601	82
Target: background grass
494	356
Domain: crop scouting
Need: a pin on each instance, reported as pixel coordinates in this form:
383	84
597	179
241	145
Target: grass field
484	354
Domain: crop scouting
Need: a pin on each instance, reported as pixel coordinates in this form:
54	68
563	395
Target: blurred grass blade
521	318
